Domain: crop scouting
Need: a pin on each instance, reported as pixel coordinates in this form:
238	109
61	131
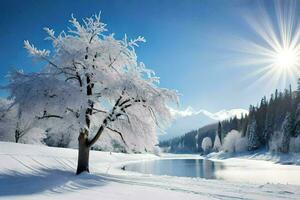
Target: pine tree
268	127
217	143
287	131
253	139
219	133
297	122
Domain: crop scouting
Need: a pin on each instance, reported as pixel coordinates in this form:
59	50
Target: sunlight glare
286	58
275	49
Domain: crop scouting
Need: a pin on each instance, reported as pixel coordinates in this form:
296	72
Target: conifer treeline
272	124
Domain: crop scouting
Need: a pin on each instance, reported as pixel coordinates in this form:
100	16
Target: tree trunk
16	139
17	136
83	153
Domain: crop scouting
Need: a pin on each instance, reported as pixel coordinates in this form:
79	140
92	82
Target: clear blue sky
187	41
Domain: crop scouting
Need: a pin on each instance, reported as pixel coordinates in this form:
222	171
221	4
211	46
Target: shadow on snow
46	180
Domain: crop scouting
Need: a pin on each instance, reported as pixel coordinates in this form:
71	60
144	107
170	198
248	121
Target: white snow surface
39	172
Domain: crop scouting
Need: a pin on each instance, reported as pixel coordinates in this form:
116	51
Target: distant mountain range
189	119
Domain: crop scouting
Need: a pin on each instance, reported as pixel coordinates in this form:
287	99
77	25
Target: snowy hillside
39	172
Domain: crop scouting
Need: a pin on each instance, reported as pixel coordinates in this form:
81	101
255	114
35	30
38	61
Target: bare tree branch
124	102
45	115
152	113
82	65
97	111
50	116
71	77
119	133
92	37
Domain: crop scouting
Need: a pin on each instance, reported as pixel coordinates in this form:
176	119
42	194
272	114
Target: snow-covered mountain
189	119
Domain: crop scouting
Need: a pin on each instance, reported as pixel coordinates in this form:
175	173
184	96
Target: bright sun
286	58
275	49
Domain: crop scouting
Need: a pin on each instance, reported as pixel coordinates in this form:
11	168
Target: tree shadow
51	180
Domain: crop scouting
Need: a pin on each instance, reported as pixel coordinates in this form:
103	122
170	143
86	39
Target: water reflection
178	167
259	172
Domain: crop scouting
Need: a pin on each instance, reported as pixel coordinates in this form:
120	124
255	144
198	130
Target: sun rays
275	50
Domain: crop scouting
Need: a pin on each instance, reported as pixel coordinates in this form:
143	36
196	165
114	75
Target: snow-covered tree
196	141
206	144
297	121
268	127
7	121
287	129
217	143
94	83
295	144
16	126
275	141
234	142
253	139
59	137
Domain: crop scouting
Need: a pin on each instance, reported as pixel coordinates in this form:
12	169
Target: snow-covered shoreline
262	155
39	172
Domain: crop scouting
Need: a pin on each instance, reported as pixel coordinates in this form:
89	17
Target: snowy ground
38	172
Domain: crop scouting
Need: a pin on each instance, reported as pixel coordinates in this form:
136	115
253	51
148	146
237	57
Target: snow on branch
34	51
133	42
92	27
51	33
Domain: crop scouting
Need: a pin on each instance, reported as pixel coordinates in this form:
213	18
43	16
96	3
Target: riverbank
278	158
